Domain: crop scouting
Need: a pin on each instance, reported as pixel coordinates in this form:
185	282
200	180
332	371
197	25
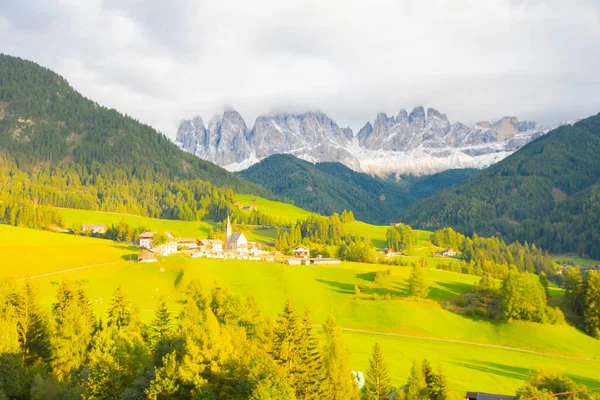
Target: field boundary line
62	271
496	346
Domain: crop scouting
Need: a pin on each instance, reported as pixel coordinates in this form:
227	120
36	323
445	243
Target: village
235	246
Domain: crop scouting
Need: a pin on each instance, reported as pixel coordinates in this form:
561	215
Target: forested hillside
547	193
57	147
328	188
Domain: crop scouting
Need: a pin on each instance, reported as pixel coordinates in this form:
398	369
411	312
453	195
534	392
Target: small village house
216	246
147	256
293	261
97	229
187	243
301	251
168	248
445	253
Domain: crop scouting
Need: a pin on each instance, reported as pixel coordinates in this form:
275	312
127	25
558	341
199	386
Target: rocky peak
417	115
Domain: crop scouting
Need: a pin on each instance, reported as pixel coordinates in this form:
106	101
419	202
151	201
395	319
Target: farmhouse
147	256
445	253
188	243
390	252
216	245
168	248
323	261
297	261
301	251
93	228
488	396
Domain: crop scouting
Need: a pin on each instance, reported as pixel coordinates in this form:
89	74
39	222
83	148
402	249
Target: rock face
420	142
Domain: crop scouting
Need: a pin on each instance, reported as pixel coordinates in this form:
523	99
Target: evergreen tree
287	346
74	326
32	325
545	283
165	384
573	285
417	287
310	384
339	383
121	312
160	327
591	315
416	387
377	379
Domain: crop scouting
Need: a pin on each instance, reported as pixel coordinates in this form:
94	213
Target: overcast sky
163	61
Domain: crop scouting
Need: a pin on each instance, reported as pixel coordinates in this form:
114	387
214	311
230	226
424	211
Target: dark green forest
328	188
547	194
60	148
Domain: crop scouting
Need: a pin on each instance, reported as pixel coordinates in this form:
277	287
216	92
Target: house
293	261
216	245
324	261
235	241
93	228
445	253
301	251
147	256
166	249
488	396
390	252
188	243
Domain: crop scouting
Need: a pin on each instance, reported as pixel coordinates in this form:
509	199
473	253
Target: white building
166	249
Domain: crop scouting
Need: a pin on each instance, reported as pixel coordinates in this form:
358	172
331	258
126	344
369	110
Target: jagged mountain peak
423	141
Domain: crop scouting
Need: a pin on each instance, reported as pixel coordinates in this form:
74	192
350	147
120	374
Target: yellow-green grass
178	228
583	262
329	290
28	252
286	212
377	233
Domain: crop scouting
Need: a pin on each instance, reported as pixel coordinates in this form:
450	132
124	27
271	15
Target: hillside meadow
426	329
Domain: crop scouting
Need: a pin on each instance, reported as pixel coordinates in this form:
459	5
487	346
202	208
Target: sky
164	61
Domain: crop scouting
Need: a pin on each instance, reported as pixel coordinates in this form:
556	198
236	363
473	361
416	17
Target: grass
178	228
325	290
584	262
286	212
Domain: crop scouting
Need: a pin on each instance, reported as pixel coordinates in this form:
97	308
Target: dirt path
62	271
467	343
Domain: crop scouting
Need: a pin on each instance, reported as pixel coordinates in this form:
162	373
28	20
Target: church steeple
228	230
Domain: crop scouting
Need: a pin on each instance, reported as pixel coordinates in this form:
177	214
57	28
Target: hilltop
547	193
58	147
328	188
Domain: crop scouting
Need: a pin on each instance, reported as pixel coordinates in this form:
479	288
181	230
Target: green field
326	290
582	262
286	212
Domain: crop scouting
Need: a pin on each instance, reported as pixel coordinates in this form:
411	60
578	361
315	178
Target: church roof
237	236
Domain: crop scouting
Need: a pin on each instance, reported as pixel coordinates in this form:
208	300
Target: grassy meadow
582	262
325	290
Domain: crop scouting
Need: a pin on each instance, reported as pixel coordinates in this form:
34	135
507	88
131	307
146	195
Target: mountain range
418	143
547	193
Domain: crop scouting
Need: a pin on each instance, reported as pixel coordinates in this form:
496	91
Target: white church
235	241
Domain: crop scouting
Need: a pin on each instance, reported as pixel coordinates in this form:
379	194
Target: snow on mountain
419	143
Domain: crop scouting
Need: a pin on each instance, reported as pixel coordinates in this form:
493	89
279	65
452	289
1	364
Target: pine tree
416	387
310	384
287	344
340	384
165	384
440	390
377	379
545	283
74	326
591	315
32	326
120	312
417	286
430	377
160	327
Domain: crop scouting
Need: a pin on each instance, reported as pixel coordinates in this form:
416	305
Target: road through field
464	342
62	271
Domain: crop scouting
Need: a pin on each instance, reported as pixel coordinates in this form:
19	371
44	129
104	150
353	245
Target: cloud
163	61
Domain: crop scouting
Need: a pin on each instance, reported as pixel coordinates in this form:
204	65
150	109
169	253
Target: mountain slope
417	143
545	193
69	151
327	188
